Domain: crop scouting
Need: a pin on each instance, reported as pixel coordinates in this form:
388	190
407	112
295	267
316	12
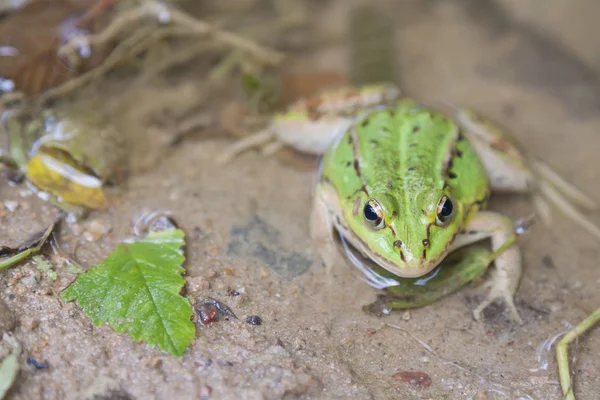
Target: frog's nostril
398	243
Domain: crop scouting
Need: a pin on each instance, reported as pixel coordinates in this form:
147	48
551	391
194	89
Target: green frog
405	187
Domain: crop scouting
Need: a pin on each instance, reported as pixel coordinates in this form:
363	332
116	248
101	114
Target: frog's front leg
322	228
505	278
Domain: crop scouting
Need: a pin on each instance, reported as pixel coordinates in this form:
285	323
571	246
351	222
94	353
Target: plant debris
9	367
30	247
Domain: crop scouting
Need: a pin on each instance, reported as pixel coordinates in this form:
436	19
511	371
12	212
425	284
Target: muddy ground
532	64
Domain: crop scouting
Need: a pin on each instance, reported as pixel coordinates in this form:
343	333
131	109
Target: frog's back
407	152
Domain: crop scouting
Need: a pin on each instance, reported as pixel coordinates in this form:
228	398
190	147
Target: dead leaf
35	65
55	171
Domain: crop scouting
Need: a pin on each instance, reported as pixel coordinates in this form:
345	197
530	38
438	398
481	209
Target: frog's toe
503	295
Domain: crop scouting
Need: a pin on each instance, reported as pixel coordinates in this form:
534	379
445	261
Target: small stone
254	320
299	344
228	272
11	205
406	315
30	280
264	272
205	392
95	231
197	284
211	274
7	319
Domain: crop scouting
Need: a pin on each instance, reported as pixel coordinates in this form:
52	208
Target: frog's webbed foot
241	145
500	290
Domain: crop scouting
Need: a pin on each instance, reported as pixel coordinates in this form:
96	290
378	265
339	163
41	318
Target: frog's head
408	235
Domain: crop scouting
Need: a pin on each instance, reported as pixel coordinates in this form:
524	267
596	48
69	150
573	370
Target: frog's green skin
404	162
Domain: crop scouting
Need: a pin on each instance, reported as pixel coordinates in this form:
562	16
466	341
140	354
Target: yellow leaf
54	171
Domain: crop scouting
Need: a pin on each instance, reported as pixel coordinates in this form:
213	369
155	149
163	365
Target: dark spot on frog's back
357	168
459	153
416	128
451	175
348	163
411	169
364	122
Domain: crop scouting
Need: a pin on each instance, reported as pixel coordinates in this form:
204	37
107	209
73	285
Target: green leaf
8	373
136	290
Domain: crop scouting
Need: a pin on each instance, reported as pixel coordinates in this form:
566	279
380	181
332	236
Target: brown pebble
95	231
30	324
211	274
415	378
152	362
207	313
264	272
228	272
7	319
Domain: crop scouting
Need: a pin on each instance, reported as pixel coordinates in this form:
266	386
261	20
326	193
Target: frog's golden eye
444	212
373	213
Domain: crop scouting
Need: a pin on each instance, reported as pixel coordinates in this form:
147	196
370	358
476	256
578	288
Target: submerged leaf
136	290
55	171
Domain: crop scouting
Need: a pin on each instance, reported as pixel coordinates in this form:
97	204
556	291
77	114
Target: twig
179	24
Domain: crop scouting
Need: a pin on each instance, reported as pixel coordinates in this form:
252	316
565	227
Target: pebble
197	284
7	319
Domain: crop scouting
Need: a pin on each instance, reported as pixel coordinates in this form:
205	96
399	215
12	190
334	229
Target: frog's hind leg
257	139
564	187
272	148
509	170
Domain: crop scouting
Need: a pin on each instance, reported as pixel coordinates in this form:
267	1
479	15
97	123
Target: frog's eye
373	214
444	211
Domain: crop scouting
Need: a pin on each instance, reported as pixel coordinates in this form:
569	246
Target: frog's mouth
362	256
